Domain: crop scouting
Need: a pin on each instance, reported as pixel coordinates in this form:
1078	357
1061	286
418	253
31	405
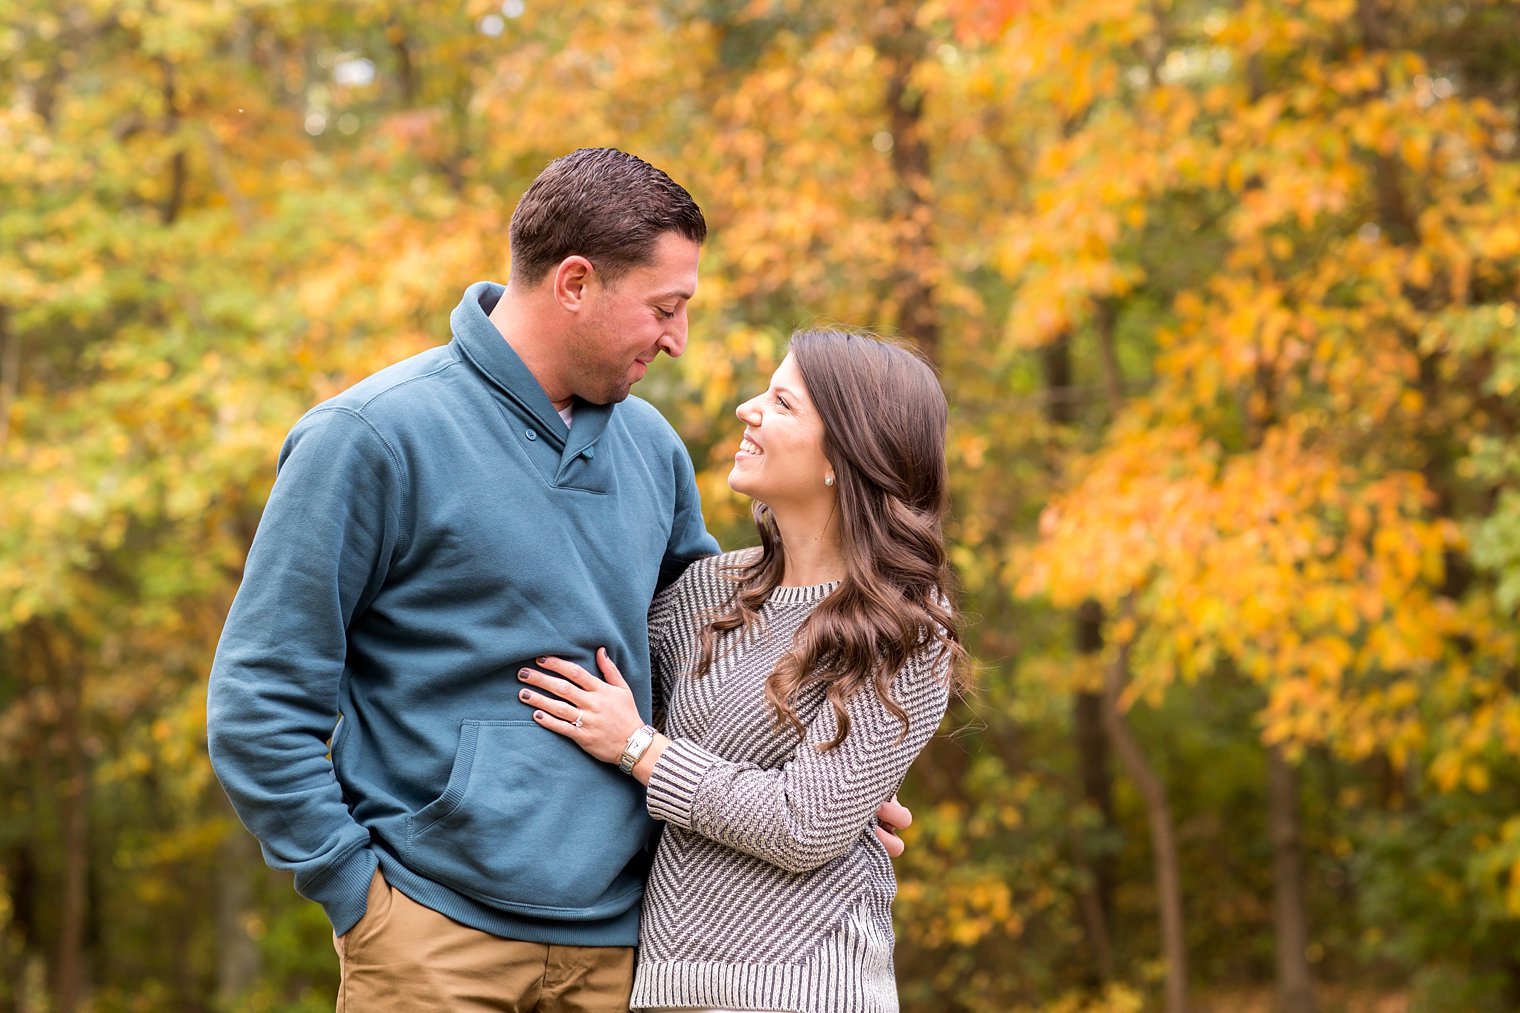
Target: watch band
637	744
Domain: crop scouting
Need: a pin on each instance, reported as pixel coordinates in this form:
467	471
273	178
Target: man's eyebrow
675	293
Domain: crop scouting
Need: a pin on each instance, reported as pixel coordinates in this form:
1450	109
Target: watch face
637	743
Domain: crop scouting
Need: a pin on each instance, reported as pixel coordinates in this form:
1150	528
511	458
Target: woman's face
780	459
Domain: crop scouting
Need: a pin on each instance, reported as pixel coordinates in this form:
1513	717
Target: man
431	530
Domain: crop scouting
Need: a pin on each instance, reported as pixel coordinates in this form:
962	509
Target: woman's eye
782	402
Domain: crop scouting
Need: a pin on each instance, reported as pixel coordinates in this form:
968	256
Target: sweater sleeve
320	554
814	807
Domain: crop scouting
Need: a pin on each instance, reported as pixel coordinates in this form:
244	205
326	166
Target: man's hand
892	817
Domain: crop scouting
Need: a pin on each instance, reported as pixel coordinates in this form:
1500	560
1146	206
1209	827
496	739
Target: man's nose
673	341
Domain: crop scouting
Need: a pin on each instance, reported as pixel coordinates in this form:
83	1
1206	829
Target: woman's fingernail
538	715
540	661
523	695
522	673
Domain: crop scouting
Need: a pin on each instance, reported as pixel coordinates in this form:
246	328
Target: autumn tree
1224	301
1290	501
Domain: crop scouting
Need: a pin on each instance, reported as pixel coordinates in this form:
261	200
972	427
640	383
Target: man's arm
272	702
689	539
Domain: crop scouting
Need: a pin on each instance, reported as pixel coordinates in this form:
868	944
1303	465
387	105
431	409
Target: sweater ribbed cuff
674	781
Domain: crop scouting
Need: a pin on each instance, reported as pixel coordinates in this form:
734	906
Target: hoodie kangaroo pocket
530	824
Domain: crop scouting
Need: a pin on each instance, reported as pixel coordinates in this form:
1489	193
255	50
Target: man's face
633	320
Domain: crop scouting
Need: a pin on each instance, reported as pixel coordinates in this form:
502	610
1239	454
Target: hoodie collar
483	346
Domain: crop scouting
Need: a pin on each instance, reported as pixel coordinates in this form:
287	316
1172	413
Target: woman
800	679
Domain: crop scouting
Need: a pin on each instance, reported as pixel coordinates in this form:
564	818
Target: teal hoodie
430	531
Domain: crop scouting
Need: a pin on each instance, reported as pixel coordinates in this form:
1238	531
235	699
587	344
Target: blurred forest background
1223	292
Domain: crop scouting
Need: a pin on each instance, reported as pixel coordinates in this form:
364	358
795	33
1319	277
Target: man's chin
616	395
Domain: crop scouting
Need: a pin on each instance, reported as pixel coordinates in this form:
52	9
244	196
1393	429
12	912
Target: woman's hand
606	710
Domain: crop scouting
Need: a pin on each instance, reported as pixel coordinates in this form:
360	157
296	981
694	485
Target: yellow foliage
1275	233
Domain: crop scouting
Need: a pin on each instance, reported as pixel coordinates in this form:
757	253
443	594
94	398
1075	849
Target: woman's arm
799	816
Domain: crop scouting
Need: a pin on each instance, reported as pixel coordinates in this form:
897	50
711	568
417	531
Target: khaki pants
403	958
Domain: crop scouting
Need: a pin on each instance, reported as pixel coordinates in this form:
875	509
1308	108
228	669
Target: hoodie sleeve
332	523
689	540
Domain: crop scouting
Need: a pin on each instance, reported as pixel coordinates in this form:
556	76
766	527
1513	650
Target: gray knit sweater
769	891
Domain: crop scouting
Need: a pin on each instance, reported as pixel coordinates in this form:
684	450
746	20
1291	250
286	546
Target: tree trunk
1097	792
901	43
238	962
20	881
68	955
406	65
1096	901
10	372
179	170
1107	320
1290	915
1158	816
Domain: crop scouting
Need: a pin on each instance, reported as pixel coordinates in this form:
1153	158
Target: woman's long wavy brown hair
884	420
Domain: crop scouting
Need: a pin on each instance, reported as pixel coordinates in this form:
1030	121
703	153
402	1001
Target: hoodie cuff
343	889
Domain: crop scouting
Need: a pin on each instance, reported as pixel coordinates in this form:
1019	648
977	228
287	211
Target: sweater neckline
802	594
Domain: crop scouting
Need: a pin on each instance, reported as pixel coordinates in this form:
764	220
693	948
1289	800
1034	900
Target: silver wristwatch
637	743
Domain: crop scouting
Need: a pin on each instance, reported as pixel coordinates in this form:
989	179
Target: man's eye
664	313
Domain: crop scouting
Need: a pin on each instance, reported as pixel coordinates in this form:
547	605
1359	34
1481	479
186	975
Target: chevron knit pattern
769	890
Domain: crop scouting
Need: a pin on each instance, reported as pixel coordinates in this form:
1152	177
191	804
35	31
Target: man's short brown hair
602	204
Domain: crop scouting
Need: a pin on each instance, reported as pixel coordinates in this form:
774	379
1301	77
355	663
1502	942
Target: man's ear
573	280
